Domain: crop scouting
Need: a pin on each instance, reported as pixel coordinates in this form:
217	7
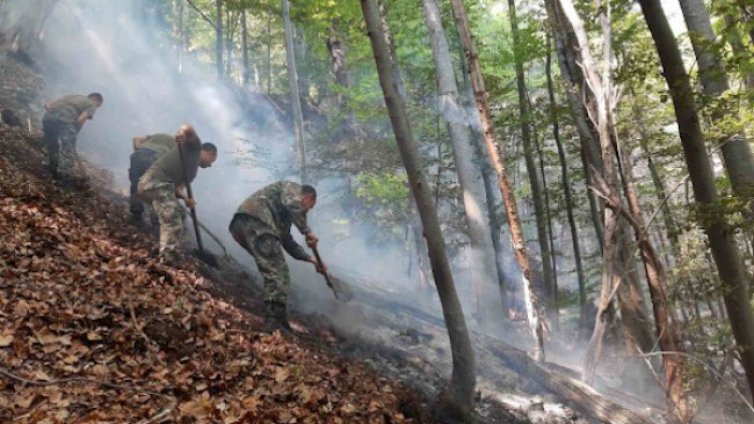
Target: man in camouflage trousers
61	123
165	182
146	151
262	226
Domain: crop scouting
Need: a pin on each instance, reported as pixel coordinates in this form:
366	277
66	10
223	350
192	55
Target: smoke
121	49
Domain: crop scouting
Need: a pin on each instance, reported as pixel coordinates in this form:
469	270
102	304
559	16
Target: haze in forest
120	49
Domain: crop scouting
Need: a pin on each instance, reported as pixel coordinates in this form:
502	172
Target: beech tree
458	397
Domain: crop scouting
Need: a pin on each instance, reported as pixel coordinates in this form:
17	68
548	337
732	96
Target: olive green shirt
160	143
69	108
167	168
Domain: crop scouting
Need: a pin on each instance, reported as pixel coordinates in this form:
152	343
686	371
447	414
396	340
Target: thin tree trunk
22	22
269	51
733	35
567	190
550	232
339	70
531	167
246	76
458	398
219	32
391	46
721	237
180	11
737	155
230	31
665	324
533	303
469	178
298	118
491	186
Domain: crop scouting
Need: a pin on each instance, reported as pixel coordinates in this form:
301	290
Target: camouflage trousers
170	214
60	138
264	245
141	160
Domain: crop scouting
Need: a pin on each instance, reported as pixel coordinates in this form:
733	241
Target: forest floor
94	329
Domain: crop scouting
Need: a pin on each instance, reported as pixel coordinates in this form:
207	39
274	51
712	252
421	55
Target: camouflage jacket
277	207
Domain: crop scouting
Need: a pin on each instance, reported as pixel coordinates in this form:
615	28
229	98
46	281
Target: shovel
206	257
339	288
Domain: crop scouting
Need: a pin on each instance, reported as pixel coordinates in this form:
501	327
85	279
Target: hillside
94	329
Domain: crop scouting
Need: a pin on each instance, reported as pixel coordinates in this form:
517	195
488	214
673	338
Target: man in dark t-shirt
165	182
146	151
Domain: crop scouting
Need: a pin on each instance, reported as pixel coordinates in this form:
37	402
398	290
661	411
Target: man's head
308	197
96	98
208	155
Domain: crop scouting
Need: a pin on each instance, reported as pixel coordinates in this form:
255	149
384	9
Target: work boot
276	318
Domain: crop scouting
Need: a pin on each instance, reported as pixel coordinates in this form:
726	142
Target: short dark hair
96	97
209	147
307	189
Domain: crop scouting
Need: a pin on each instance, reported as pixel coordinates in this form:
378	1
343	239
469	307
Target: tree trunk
298	118
733	35
246	73
269	51
550	233
458	397
23	21
491	186
230	31
178	33
665	324
469	178
533	304
339	70
598	109
531	167
219	32
737	155
391	46
567	190
721	238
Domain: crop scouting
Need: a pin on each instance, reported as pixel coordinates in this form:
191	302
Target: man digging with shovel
166	181
262	226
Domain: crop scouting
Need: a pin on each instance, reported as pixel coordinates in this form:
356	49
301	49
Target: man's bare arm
139	140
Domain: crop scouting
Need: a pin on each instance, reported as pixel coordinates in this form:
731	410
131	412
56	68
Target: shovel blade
340	289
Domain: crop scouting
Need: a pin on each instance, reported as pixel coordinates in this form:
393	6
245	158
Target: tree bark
721	238
733	35
737	155
566	190
469	177
298	118
666	326
269	51
458	397
246	75
24	20
531	168
533	303
219	62
339	70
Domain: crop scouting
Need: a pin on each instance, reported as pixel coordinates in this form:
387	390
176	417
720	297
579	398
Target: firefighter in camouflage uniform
262	226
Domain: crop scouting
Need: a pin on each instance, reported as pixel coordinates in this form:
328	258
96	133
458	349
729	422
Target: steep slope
94	329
